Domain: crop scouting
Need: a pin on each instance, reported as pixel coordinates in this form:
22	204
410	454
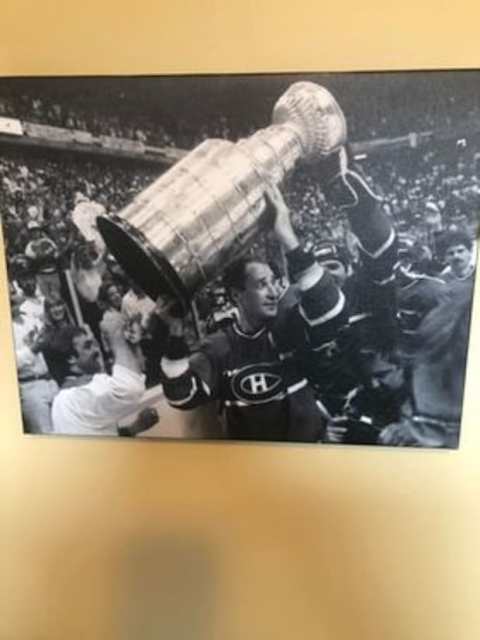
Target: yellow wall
139	540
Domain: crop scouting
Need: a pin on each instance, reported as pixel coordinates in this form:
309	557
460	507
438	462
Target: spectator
34	215
84	217
43	254
459	256
37	389
90	401
57	317
87	270
110	301
32	305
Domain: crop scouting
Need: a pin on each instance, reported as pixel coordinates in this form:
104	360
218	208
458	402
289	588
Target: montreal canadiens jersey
267	382
264	393
337	366
259	380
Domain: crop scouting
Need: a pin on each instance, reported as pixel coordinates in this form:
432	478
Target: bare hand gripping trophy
186	227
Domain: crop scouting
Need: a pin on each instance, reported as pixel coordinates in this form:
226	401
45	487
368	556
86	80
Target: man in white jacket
91	402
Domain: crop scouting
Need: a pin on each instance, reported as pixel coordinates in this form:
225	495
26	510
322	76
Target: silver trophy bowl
207	210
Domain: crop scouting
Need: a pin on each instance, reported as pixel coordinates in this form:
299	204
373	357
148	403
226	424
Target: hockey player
339	365
253	368
261	369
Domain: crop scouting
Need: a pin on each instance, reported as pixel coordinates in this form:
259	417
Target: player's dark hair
236	274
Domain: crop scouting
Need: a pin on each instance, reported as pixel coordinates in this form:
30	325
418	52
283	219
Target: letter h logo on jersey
257	383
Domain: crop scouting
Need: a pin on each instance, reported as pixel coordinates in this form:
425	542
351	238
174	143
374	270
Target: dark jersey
263	390
337	366
368	410
259	379
266	381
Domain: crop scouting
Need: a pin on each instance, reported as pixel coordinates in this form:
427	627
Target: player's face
458	258
259	299
89	357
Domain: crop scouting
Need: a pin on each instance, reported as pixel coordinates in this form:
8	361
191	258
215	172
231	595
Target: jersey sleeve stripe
382	283
310	277
174	368
329	315
382	249
182	401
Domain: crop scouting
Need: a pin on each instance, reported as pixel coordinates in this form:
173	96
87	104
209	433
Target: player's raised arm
350	191
322	306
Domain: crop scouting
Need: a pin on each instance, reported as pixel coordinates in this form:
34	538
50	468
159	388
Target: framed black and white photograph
285	258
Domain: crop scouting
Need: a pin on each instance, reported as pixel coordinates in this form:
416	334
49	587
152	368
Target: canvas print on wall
267	258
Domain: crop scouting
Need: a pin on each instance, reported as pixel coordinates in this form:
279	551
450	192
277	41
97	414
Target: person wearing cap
43	253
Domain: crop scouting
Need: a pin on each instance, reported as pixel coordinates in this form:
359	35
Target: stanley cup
207	210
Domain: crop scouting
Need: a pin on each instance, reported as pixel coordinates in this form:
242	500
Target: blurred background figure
43	254
84	217
37	388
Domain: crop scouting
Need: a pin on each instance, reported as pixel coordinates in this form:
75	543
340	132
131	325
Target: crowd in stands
61	274
448	100
132	126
